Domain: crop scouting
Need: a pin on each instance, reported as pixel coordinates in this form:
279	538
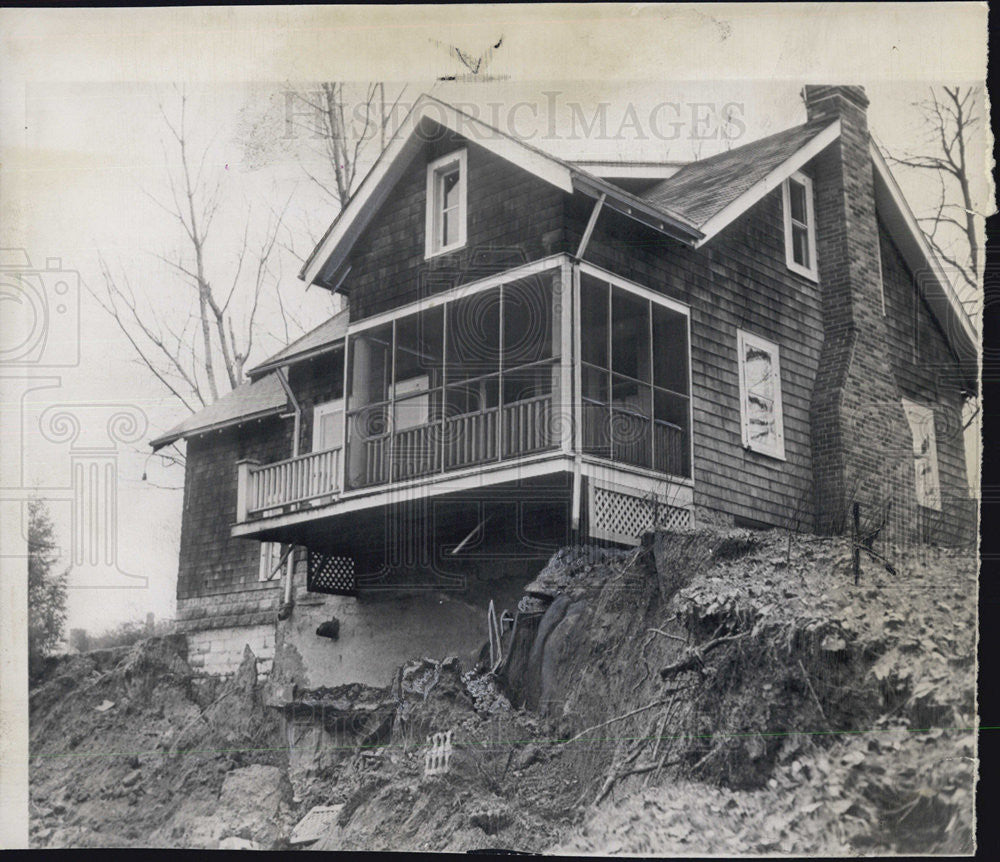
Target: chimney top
824	100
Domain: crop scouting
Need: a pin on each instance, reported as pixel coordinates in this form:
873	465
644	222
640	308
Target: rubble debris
320	820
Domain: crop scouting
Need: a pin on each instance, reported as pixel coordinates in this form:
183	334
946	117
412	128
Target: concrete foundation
219	651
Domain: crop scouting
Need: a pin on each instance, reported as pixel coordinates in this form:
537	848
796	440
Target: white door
328	425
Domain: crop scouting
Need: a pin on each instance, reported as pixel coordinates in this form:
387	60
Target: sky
86	157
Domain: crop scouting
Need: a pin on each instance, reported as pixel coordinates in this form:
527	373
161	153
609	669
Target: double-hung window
760	395
800	225
271	554
447	185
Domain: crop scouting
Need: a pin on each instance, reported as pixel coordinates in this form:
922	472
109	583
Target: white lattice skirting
620	517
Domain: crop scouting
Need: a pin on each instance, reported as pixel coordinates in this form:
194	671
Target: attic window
446	204
800	226
760	395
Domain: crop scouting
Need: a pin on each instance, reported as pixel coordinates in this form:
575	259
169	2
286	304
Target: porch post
243	488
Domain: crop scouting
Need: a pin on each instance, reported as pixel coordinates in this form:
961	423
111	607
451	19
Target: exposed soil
709	692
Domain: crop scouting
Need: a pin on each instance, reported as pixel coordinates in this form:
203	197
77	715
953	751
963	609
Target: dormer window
800	226
447	180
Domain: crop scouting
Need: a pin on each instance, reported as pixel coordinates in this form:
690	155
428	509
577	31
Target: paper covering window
760	395
925	461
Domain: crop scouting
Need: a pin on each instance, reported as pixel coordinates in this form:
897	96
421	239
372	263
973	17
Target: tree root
695	656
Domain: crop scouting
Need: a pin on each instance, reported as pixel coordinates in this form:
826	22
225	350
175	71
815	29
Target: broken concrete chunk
105	706
318	822
234	842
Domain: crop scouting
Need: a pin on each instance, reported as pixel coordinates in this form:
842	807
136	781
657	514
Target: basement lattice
625	517
331	575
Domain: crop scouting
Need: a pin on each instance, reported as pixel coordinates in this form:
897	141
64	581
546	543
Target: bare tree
347	121
201	351
953	227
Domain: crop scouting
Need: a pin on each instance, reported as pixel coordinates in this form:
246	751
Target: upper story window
800	225
760	395
447	181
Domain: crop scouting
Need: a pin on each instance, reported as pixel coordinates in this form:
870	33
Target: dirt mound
709	692
129	748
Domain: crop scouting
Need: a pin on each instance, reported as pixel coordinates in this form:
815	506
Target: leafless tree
347	122
950	115
201	352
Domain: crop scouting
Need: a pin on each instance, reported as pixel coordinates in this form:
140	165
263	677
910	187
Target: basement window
446	204
270	558
760	395
925	461
800	226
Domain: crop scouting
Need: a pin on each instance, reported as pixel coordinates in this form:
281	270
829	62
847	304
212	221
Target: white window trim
810	272
270	554
742	340
431	226
321	410
920	417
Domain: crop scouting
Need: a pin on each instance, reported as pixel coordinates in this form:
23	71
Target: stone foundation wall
218	652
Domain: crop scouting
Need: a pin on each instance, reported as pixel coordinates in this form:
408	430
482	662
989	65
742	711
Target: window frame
433	223
270	556
921	416
811	272
744	339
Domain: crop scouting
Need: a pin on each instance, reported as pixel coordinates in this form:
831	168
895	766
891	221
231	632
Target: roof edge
171	437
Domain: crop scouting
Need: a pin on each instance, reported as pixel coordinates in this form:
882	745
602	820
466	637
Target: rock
320	821
233	842
254	803
132	778
531	753
104	706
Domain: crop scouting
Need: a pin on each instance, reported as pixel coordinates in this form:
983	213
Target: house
536	353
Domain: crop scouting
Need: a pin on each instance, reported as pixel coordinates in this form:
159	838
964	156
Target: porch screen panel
472	380
529	366
635	379
595	342
671	396
368	421
417	394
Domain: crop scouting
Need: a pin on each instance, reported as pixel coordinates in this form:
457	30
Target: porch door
328	425
328	433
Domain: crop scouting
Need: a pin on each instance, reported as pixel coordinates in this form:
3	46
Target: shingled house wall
739	280
221	603
926	373
513	217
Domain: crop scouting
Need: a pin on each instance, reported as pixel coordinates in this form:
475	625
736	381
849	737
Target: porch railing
458	441
295	480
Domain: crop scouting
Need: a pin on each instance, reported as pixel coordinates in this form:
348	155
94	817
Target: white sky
81	142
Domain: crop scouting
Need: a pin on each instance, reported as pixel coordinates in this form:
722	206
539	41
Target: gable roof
324	338
692	205
246	402
331	251
713	191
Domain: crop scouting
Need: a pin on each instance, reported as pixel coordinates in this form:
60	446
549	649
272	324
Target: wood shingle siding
737	281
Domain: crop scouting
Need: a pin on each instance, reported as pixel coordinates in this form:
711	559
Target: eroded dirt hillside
710	692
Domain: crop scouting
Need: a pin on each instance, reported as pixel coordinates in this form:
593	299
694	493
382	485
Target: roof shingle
248	401
701	189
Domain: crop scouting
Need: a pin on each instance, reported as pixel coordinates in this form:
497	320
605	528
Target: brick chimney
862	448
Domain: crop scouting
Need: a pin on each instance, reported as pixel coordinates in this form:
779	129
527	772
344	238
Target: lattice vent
331	575
620	516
